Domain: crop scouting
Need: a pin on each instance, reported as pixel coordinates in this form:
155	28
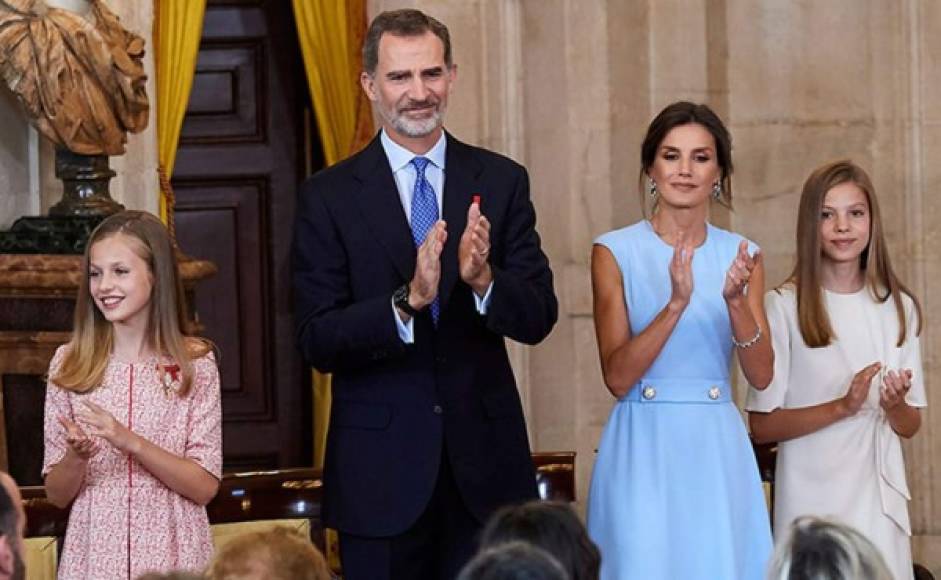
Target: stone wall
19	163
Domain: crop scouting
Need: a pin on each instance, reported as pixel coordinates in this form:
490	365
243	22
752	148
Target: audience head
12	527
276	554
819	549
681	114
513	561
552	526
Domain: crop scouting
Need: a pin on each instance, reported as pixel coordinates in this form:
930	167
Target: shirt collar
399	156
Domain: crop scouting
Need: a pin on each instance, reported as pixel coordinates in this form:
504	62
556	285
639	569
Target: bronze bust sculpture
80	77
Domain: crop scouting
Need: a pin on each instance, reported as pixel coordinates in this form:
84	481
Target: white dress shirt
405	174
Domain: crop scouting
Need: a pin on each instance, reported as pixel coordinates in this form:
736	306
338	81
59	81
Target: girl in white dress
848	380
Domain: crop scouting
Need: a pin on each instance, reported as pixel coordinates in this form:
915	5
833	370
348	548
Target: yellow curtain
178	27
331	34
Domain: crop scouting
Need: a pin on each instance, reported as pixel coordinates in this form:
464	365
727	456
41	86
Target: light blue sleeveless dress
675	493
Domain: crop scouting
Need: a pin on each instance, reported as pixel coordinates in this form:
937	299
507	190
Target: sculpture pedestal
37	300
85	202
48	235
85	181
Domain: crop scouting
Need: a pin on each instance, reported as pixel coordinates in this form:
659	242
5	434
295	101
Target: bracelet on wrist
750	342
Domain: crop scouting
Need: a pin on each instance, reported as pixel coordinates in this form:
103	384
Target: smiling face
845	224
120	280
685	168
410	87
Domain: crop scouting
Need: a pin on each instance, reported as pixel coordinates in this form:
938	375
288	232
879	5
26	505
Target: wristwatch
400	300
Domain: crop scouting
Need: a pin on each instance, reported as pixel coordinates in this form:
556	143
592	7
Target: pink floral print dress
124	521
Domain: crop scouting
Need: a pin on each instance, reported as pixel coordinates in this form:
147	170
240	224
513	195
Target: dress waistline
695	391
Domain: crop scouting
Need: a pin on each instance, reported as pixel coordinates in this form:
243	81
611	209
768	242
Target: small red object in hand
477	199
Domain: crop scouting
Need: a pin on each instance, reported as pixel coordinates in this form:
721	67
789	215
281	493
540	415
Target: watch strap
400	299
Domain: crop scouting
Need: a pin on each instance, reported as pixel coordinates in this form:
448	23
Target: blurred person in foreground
820	549
552	526
276	554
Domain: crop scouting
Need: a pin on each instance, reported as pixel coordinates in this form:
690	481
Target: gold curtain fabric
178	27
331	34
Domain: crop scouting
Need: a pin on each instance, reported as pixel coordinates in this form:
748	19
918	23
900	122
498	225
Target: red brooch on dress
170	378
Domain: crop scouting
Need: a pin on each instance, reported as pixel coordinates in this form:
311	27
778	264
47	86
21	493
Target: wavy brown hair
168	328
874	261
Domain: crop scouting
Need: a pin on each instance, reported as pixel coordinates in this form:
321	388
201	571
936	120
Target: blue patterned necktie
424	213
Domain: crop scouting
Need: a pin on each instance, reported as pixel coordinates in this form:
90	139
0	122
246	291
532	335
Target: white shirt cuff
406	329
483	303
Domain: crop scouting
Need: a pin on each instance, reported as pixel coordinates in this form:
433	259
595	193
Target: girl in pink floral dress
133	418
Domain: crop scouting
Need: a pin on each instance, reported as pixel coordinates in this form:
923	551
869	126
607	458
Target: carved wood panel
236	177
210	211
229	102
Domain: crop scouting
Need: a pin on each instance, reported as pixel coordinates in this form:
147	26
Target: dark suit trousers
435	547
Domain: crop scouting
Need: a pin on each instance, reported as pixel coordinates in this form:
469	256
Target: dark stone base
85	181
48	235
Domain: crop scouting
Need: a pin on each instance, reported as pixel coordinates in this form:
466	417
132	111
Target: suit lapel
461	179
379	203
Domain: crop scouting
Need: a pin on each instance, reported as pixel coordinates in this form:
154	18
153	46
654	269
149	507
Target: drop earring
717	190
652	187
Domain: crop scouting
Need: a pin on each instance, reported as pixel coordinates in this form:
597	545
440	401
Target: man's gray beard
416	128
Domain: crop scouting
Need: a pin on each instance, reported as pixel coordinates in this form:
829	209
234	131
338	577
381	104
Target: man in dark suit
413	260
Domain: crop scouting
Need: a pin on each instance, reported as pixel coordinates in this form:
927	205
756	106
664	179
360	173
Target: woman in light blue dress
675	492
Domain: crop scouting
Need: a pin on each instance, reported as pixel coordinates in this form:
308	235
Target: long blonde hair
874	261
168	328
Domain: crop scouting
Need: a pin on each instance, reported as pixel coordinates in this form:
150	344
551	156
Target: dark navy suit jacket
396	405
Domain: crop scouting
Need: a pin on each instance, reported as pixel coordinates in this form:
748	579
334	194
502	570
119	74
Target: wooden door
244	149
